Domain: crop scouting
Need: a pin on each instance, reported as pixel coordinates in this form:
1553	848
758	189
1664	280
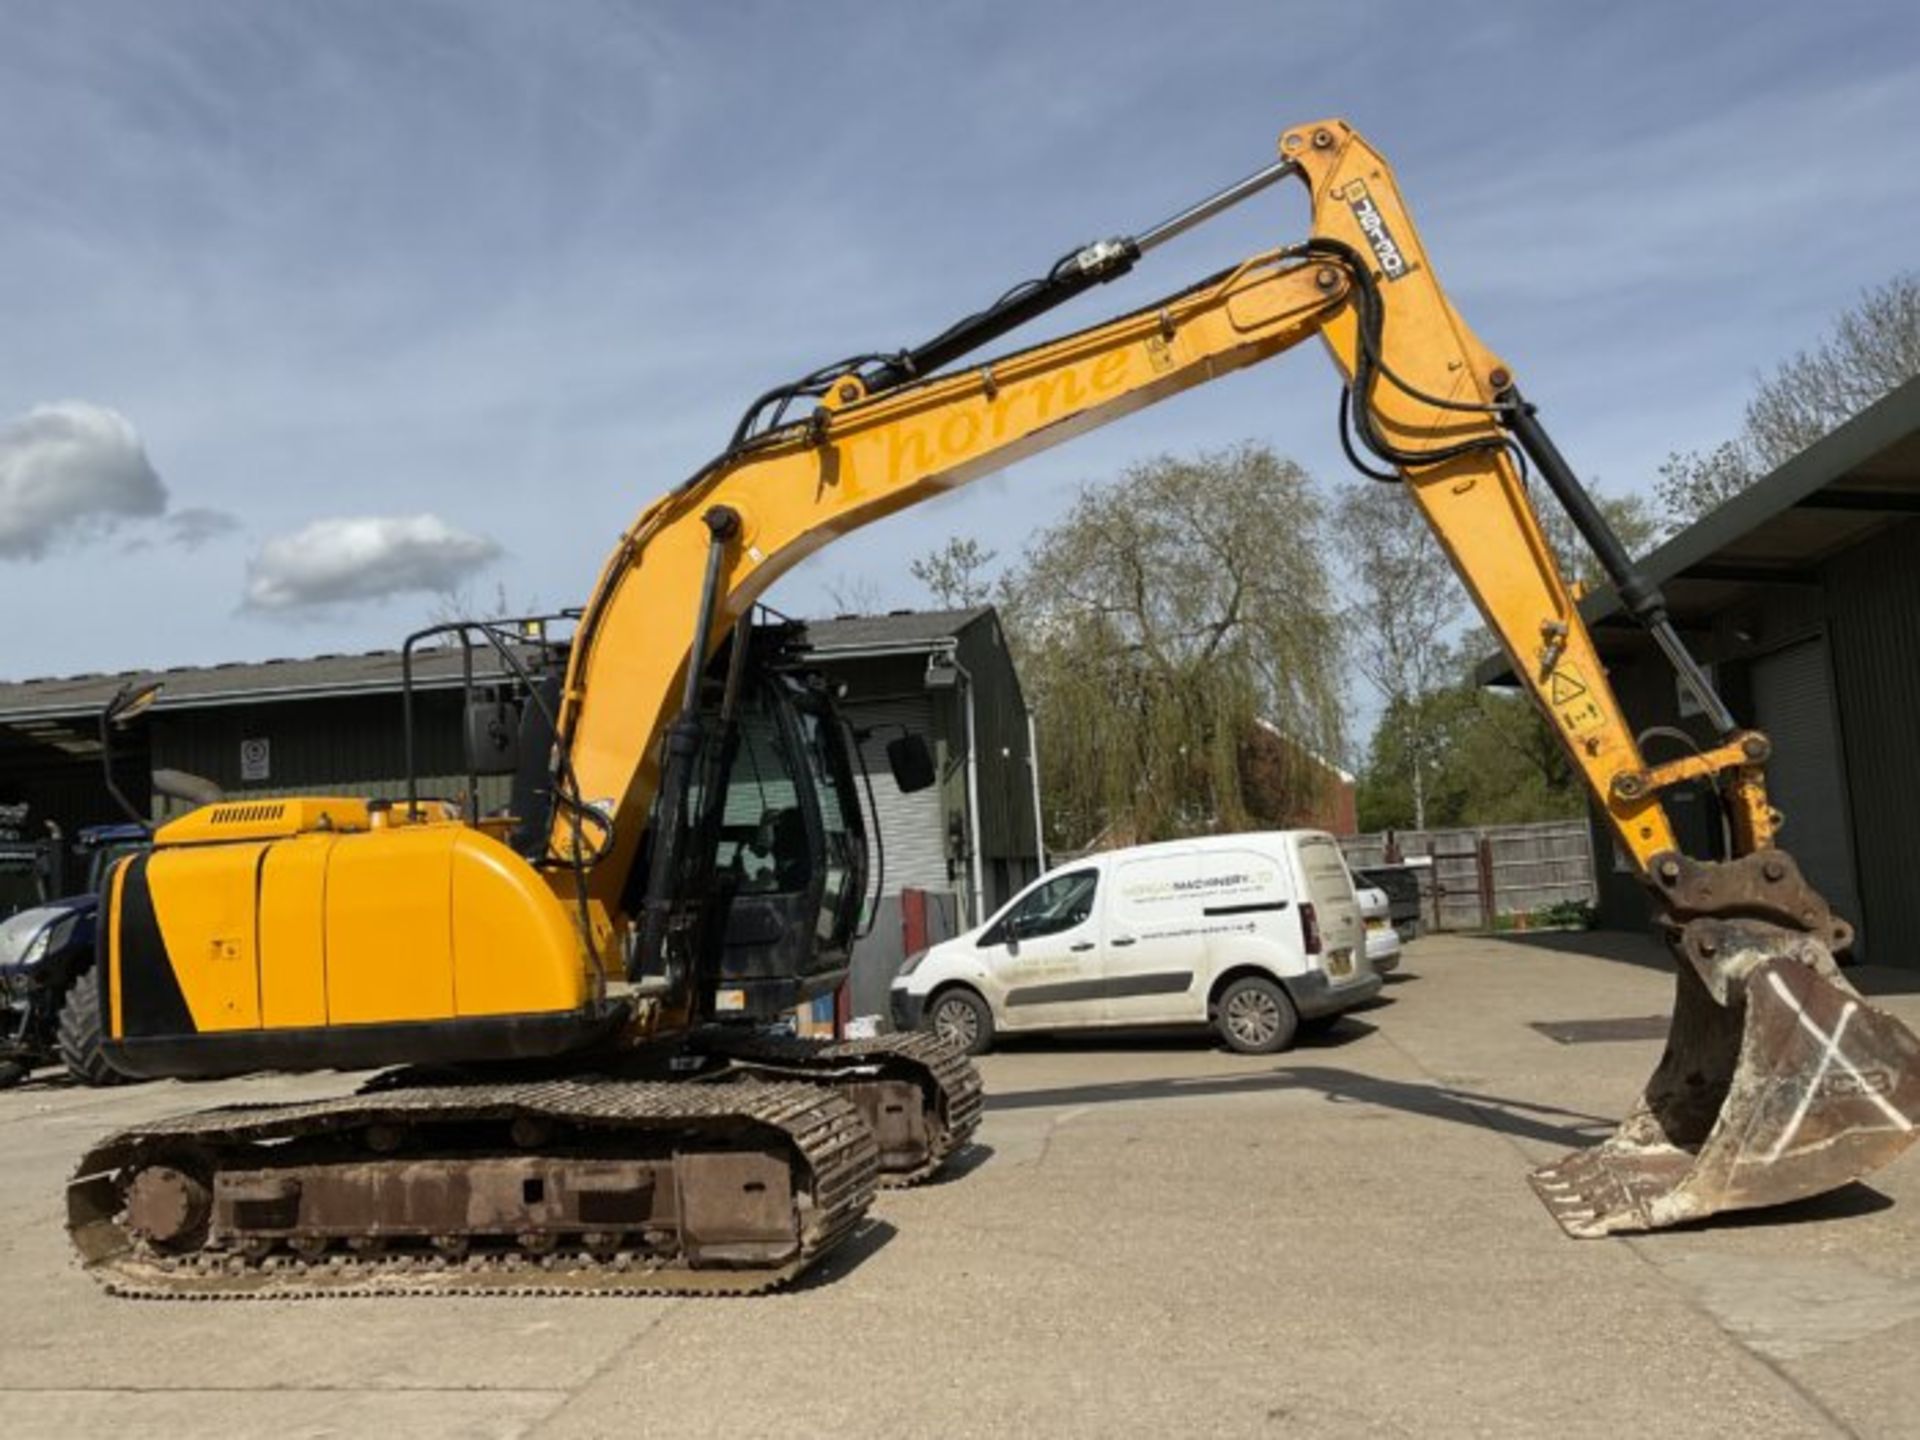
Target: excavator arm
1778	1081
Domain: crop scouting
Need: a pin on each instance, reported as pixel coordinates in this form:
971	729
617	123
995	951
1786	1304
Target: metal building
1803	595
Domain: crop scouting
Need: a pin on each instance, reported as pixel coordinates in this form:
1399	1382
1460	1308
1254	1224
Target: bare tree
956	573
1692	482
1157	623
855	595
463	604
1409	601
1873	348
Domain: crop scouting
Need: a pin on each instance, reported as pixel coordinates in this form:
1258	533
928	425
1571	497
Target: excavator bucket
1778	1082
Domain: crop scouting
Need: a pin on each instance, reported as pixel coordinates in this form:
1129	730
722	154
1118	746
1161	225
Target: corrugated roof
898	627
1832	495
378	671
186	687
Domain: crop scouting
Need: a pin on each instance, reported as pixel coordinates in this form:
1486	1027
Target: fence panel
1475	876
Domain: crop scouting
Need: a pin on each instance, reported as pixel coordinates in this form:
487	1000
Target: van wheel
962	1018
1256	1017
77	1037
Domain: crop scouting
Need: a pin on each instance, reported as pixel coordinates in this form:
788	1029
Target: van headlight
911	963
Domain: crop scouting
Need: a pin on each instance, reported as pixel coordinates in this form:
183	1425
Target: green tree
1156	624
1873	347
1492	758
1408	603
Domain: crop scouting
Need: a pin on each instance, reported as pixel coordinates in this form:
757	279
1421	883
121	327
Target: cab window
1050	908
763	832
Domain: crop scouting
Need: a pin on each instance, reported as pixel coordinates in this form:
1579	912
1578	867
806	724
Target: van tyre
77	1037
1256	1017
961	1018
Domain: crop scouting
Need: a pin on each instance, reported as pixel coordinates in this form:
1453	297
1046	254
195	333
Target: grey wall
1645	686
348	745
1874	606
1852	638
1006	776
68	789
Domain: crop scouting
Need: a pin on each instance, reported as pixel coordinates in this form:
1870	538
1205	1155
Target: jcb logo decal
1386	250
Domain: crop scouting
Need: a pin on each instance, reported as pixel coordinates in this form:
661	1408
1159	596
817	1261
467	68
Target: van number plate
1340	963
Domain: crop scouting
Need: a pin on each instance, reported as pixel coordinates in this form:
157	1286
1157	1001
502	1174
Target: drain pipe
1033	774
949	658
976	862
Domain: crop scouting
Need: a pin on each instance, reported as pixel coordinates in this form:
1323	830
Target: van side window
1060	904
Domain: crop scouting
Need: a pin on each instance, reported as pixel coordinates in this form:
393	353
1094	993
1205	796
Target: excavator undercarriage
563	1187
732	1178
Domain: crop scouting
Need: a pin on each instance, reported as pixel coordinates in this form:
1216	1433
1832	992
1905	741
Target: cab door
1044	954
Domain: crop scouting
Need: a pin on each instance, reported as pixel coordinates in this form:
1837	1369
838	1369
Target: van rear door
1328	886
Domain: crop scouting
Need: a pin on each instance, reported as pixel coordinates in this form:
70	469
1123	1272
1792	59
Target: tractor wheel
78	1039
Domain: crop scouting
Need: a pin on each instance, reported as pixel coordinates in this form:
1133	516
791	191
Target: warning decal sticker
1567	694
1565	685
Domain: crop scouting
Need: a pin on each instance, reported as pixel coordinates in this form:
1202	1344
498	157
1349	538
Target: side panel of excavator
292	934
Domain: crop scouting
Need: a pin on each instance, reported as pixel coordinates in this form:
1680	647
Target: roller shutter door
916	842
1793	703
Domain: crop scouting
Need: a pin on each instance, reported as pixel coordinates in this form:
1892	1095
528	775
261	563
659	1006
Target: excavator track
558	1187
878	1075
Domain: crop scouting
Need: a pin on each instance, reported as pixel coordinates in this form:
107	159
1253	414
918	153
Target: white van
1250	933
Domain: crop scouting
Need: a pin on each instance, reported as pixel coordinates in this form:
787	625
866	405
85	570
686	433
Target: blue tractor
49	985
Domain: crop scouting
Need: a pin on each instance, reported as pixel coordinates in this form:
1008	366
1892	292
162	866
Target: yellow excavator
688	848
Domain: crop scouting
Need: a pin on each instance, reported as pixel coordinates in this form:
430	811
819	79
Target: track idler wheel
167	1207
1779	1081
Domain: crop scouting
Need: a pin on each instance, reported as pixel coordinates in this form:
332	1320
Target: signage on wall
255	760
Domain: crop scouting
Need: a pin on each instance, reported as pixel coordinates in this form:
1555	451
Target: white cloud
363	558
68	469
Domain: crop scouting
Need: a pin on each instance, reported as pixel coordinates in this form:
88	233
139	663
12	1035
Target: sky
310	314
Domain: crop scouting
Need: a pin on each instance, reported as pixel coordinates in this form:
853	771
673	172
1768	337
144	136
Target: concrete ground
1151	1237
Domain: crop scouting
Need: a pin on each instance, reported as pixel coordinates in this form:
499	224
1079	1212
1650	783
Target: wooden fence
1470	879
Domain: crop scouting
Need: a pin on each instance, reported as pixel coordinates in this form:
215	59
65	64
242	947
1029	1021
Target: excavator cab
769	854
789	853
